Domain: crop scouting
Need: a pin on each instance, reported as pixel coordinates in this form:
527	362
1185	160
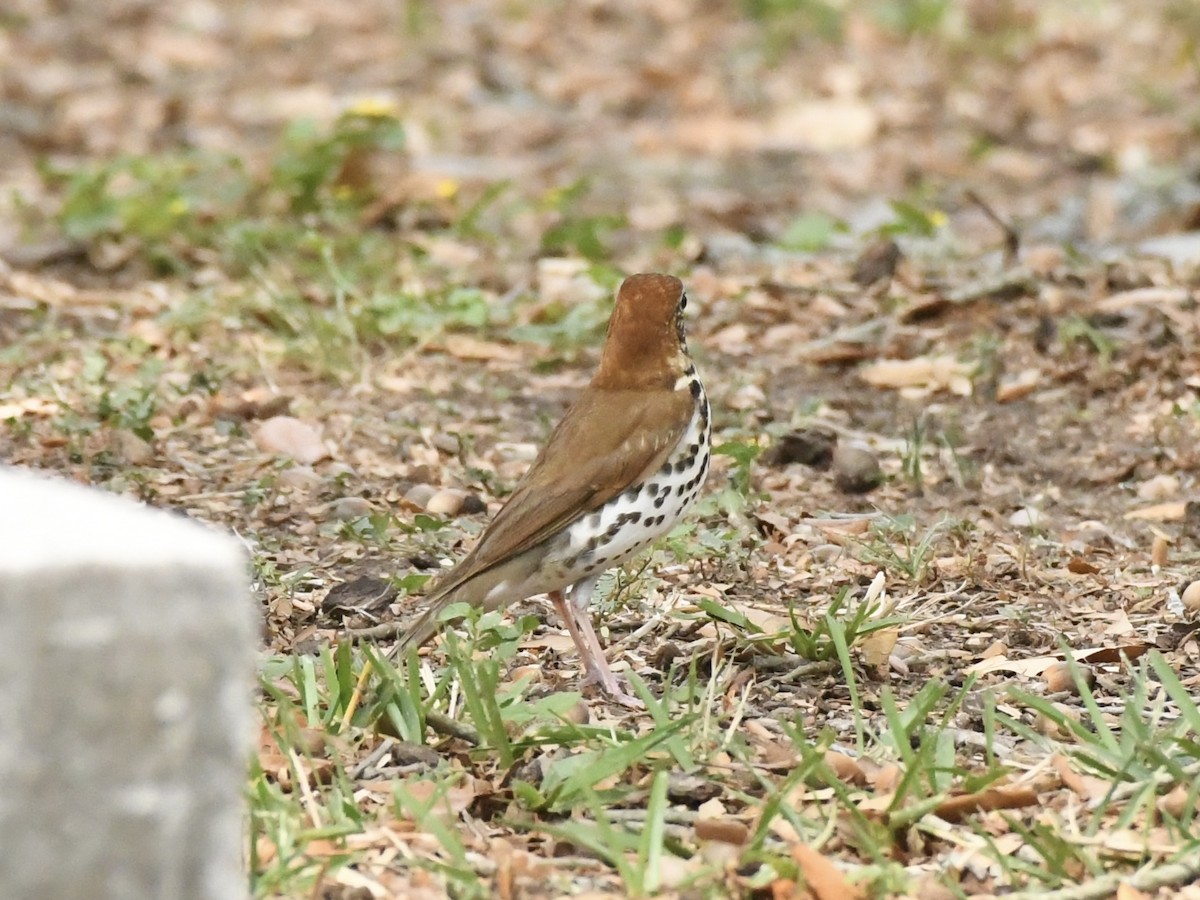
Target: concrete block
127	642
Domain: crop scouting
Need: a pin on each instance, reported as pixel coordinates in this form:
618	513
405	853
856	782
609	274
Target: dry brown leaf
1022	385
1087	787
887	778
463	346
822	877
955	809
994	649
1174	803
924	373
1036	665
1077	565
727	831
846	768
1175	511
454	801
877	647
30	406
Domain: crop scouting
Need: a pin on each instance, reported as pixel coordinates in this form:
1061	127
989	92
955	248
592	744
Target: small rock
809	446
345	509
691	790
1029	517
446	502
131	449
1058	678
1191	597
473	504
447	443
419	495
826	553
423	562
512	450
877	262
855	469
405	753
299	478
533	674
363	594
1159	488
287	436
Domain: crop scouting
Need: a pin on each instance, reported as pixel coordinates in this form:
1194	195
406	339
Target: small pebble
1058	678
855	469
826	553
447	443
299	478
809	446
131	449
346	508
419	495
1191	597
877	262
1029	517
473	505
446	502
1159	488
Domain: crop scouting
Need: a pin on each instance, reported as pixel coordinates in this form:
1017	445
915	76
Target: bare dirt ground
959	238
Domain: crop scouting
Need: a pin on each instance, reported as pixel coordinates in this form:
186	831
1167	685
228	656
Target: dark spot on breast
632	494
594	520
697	389
660	500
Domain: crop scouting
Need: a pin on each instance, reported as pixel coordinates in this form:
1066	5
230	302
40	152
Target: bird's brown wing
607	442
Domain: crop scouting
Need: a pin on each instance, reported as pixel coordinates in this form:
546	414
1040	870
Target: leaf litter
975	673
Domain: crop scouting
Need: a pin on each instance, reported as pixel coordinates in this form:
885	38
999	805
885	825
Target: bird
624	465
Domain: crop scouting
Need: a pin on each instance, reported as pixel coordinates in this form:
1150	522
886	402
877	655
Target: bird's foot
612	686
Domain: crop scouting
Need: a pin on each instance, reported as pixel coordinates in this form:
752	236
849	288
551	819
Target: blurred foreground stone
126	658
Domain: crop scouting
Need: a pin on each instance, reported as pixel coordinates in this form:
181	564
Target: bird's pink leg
596	669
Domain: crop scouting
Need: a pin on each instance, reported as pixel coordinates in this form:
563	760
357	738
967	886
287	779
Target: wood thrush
619	471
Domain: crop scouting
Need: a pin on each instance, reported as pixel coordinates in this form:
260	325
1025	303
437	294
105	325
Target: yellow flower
373	108
446	188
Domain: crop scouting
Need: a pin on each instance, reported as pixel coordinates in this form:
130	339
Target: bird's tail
420	631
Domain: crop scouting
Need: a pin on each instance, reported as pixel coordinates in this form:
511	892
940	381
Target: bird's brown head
645	346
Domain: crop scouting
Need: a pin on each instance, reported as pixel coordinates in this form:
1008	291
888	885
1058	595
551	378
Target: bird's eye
683	302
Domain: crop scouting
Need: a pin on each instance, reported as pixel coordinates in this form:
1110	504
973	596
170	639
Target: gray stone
126	657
